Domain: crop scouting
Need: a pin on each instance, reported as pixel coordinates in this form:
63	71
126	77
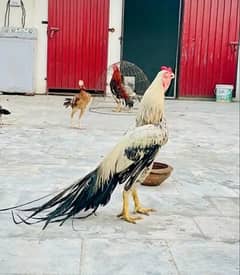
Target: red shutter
77	43
210	33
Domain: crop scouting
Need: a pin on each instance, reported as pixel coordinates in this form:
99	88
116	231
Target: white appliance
17	59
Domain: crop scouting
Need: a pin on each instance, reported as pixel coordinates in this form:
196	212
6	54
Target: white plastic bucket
224	93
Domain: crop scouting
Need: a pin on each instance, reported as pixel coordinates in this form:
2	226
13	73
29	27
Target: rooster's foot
144	211
117	110
130	219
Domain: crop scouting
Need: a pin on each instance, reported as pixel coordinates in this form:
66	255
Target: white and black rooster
126	164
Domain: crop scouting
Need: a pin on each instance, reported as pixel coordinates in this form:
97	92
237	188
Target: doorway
77	44
150	36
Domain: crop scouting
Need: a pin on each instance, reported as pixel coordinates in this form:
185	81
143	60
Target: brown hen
79	102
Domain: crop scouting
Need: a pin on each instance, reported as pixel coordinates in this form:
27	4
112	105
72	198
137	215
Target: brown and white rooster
79	102
126	164
122	95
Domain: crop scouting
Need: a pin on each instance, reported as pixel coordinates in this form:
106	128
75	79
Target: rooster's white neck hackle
151	108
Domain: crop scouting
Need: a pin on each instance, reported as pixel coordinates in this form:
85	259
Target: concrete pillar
237	98
114	46
40	11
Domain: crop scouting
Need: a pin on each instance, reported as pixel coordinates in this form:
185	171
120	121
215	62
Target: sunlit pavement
195	229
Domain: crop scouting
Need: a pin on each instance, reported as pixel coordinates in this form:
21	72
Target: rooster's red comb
115	67
165	68
81	84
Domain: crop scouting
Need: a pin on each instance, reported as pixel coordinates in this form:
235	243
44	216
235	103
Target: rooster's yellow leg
138	208
125	211
74	110
80	115
118	108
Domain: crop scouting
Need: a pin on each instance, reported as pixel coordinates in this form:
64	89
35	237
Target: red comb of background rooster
169	69
81	84
115	67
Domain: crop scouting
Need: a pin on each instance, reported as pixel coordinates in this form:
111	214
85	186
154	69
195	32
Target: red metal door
77	43
210	36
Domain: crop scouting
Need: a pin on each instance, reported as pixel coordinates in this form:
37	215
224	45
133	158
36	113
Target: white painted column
237	98
40	12
115	21
114	42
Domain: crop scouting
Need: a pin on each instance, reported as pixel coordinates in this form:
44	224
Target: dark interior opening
150	36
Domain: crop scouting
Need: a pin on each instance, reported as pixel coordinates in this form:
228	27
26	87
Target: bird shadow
77	128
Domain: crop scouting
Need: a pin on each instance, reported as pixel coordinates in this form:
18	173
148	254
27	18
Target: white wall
115	21
40	13
114	46
36	11
15	13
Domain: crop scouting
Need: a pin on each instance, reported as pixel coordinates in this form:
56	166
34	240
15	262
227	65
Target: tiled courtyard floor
195	229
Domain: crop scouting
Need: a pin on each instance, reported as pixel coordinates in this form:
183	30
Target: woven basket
159	173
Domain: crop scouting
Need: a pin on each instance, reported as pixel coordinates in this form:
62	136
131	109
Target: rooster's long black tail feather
5	112
86	194
24	204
